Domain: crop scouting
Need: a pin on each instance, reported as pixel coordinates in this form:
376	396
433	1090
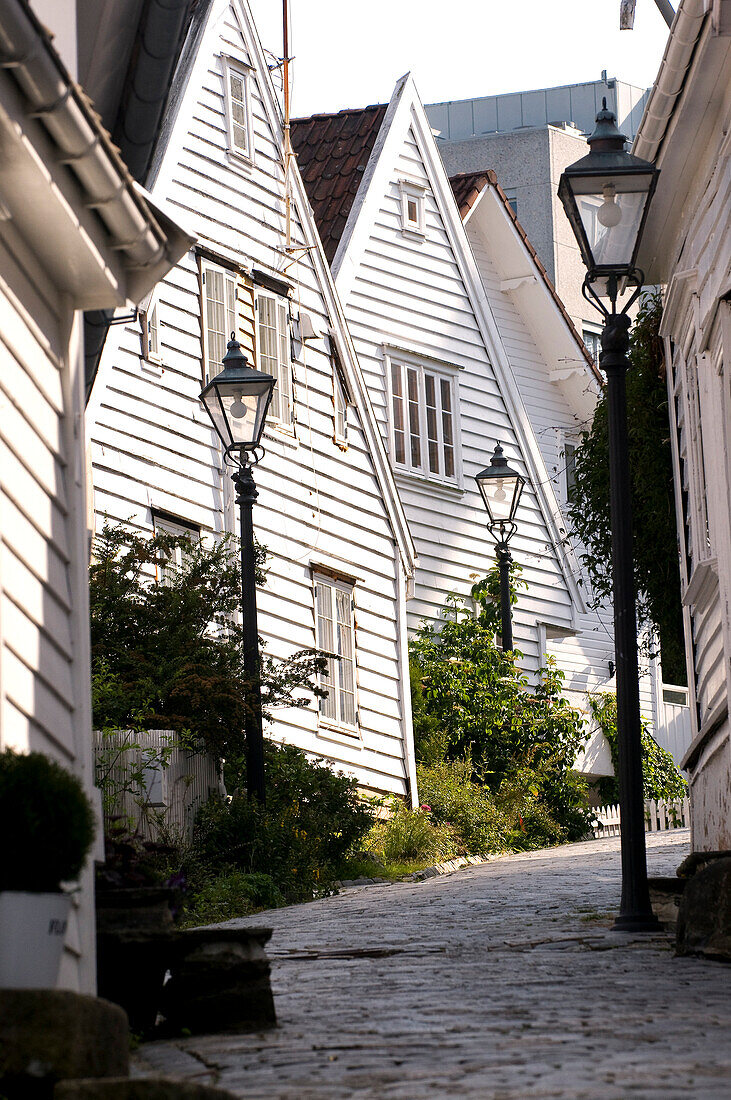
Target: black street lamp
237	401
501	488
606	196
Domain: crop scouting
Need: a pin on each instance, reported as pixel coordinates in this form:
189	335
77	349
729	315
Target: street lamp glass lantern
237	400
500	487
606	196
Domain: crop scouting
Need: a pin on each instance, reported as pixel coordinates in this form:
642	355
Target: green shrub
661	779
470	808
312	819
410	836
46	820
232	895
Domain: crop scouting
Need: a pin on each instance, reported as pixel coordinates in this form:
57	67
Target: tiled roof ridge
465	204
342	111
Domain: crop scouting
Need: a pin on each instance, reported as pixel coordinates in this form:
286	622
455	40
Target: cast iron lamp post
237	401
501	488
606	196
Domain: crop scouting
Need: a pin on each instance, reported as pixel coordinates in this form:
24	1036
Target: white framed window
593	342
150	321
238	109
423	403
335	633
169	567
340	403
512	196
413	216
273	352
569	469
219	316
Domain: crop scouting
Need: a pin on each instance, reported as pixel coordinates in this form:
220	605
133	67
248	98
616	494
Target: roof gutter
83	143
684	35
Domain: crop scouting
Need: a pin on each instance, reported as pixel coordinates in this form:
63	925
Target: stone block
152	1088
219	981
704	916
47	1035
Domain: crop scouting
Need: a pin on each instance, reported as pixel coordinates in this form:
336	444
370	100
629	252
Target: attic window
412	208
238	110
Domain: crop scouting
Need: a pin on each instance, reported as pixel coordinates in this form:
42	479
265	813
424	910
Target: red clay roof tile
332	153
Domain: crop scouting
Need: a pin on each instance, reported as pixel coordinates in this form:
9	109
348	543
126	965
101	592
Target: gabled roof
467	188
332	153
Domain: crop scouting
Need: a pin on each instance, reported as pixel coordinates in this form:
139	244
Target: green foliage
410	836
170	655
485	711
661	779
654	529
232	895
453	798
312	819
47	822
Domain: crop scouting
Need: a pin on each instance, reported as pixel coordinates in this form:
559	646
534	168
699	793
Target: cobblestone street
502	981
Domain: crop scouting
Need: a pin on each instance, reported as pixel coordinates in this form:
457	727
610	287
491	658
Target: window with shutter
274	352
335	633
219	316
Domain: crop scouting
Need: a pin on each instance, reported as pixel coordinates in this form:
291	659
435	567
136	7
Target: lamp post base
639	922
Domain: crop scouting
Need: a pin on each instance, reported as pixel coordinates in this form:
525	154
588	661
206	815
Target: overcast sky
349	54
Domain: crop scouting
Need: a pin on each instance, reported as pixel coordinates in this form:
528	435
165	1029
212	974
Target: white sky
350	53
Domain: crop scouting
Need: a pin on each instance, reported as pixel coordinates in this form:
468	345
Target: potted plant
48	825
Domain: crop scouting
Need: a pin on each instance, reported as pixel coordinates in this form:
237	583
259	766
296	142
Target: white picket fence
660	817
153	784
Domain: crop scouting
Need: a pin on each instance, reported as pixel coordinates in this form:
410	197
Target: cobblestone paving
502	981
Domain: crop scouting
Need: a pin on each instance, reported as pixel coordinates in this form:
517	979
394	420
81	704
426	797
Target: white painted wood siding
411	294
44	670
319	505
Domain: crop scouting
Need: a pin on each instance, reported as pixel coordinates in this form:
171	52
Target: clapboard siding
152	447
412	295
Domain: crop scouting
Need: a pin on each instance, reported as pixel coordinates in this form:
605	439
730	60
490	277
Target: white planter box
32	933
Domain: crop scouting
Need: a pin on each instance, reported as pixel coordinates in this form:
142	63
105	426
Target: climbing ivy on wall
656	566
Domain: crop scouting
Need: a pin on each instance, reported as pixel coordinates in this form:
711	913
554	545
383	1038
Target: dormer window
412	208
238	110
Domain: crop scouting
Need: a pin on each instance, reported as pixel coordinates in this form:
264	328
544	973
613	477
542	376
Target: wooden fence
660	817
152	781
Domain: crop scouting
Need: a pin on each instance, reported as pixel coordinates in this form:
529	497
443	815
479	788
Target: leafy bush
312	819
482	710
410	835
232	895
661	779
470	808
47	822
170	655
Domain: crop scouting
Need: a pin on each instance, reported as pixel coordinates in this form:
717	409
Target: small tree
482	708
168	653
654	533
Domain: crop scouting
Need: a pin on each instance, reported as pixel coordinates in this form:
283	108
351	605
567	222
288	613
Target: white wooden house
75	234
687	248
466	317
328	509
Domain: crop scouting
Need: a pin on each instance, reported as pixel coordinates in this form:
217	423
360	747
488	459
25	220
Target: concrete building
527	139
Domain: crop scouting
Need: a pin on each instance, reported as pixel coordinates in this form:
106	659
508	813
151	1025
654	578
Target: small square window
238	110
412	208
